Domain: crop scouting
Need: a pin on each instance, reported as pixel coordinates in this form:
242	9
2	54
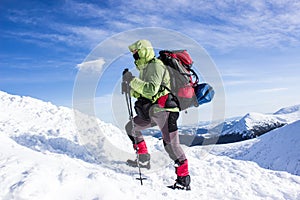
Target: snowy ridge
254	124
43	126
277	150
289	110
46	153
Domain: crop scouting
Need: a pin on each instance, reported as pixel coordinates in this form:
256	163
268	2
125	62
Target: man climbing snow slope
154	106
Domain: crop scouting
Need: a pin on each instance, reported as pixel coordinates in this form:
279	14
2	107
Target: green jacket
153	74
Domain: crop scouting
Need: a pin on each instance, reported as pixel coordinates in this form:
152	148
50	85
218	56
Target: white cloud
92	66
85	35
238	82
272	90
218	24
86	10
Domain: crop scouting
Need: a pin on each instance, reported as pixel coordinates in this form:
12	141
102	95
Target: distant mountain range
235	129
247	127
256	124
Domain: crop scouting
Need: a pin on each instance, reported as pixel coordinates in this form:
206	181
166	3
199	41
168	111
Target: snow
253	124
289	114
277	150
45	127
288	110
50	152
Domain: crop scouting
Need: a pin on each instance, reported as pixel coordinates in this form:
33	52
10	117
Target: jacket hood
145	51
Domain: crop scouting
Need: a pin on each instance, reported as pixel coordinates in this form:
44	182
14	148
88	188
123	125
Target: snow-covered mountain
292	110
253	124
277	150
50	152
235	129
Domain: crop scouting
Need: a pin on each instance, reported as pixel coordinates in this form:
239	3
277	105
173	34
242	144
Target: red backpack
183	77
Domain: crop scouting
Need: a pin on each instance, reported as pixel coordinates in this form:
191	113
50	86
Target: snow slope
43	156
277	150
43	126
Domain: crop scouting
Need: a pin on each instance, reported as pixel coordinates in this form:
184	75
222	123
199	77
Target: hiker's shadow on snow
67	147
55	145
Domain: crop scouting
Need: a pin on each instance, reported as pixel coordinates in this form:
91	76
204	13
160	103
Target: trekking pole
126	90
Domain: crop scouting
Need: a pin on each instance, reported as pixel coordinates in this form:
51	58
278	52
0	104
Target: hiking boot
184	181
144	161
183	178
181	183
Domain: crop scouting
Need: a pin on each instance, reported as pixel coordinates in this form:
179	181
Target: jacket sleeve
134	94
152	80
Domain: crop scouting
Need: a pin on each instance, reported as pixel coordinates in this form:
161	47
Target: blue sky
255	45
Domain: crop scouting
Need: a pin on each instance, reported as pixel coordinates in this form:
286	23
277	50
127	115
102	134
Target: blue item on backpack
204	93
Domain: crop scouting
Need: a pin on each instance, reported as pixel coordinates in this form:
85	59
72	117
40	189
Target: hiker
154	106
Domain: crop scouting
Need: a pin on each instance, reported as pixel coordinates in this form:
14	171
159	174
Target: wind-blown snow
42	156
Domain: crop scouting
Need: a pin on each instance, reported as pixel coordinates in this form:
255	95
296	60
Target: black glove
127	76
